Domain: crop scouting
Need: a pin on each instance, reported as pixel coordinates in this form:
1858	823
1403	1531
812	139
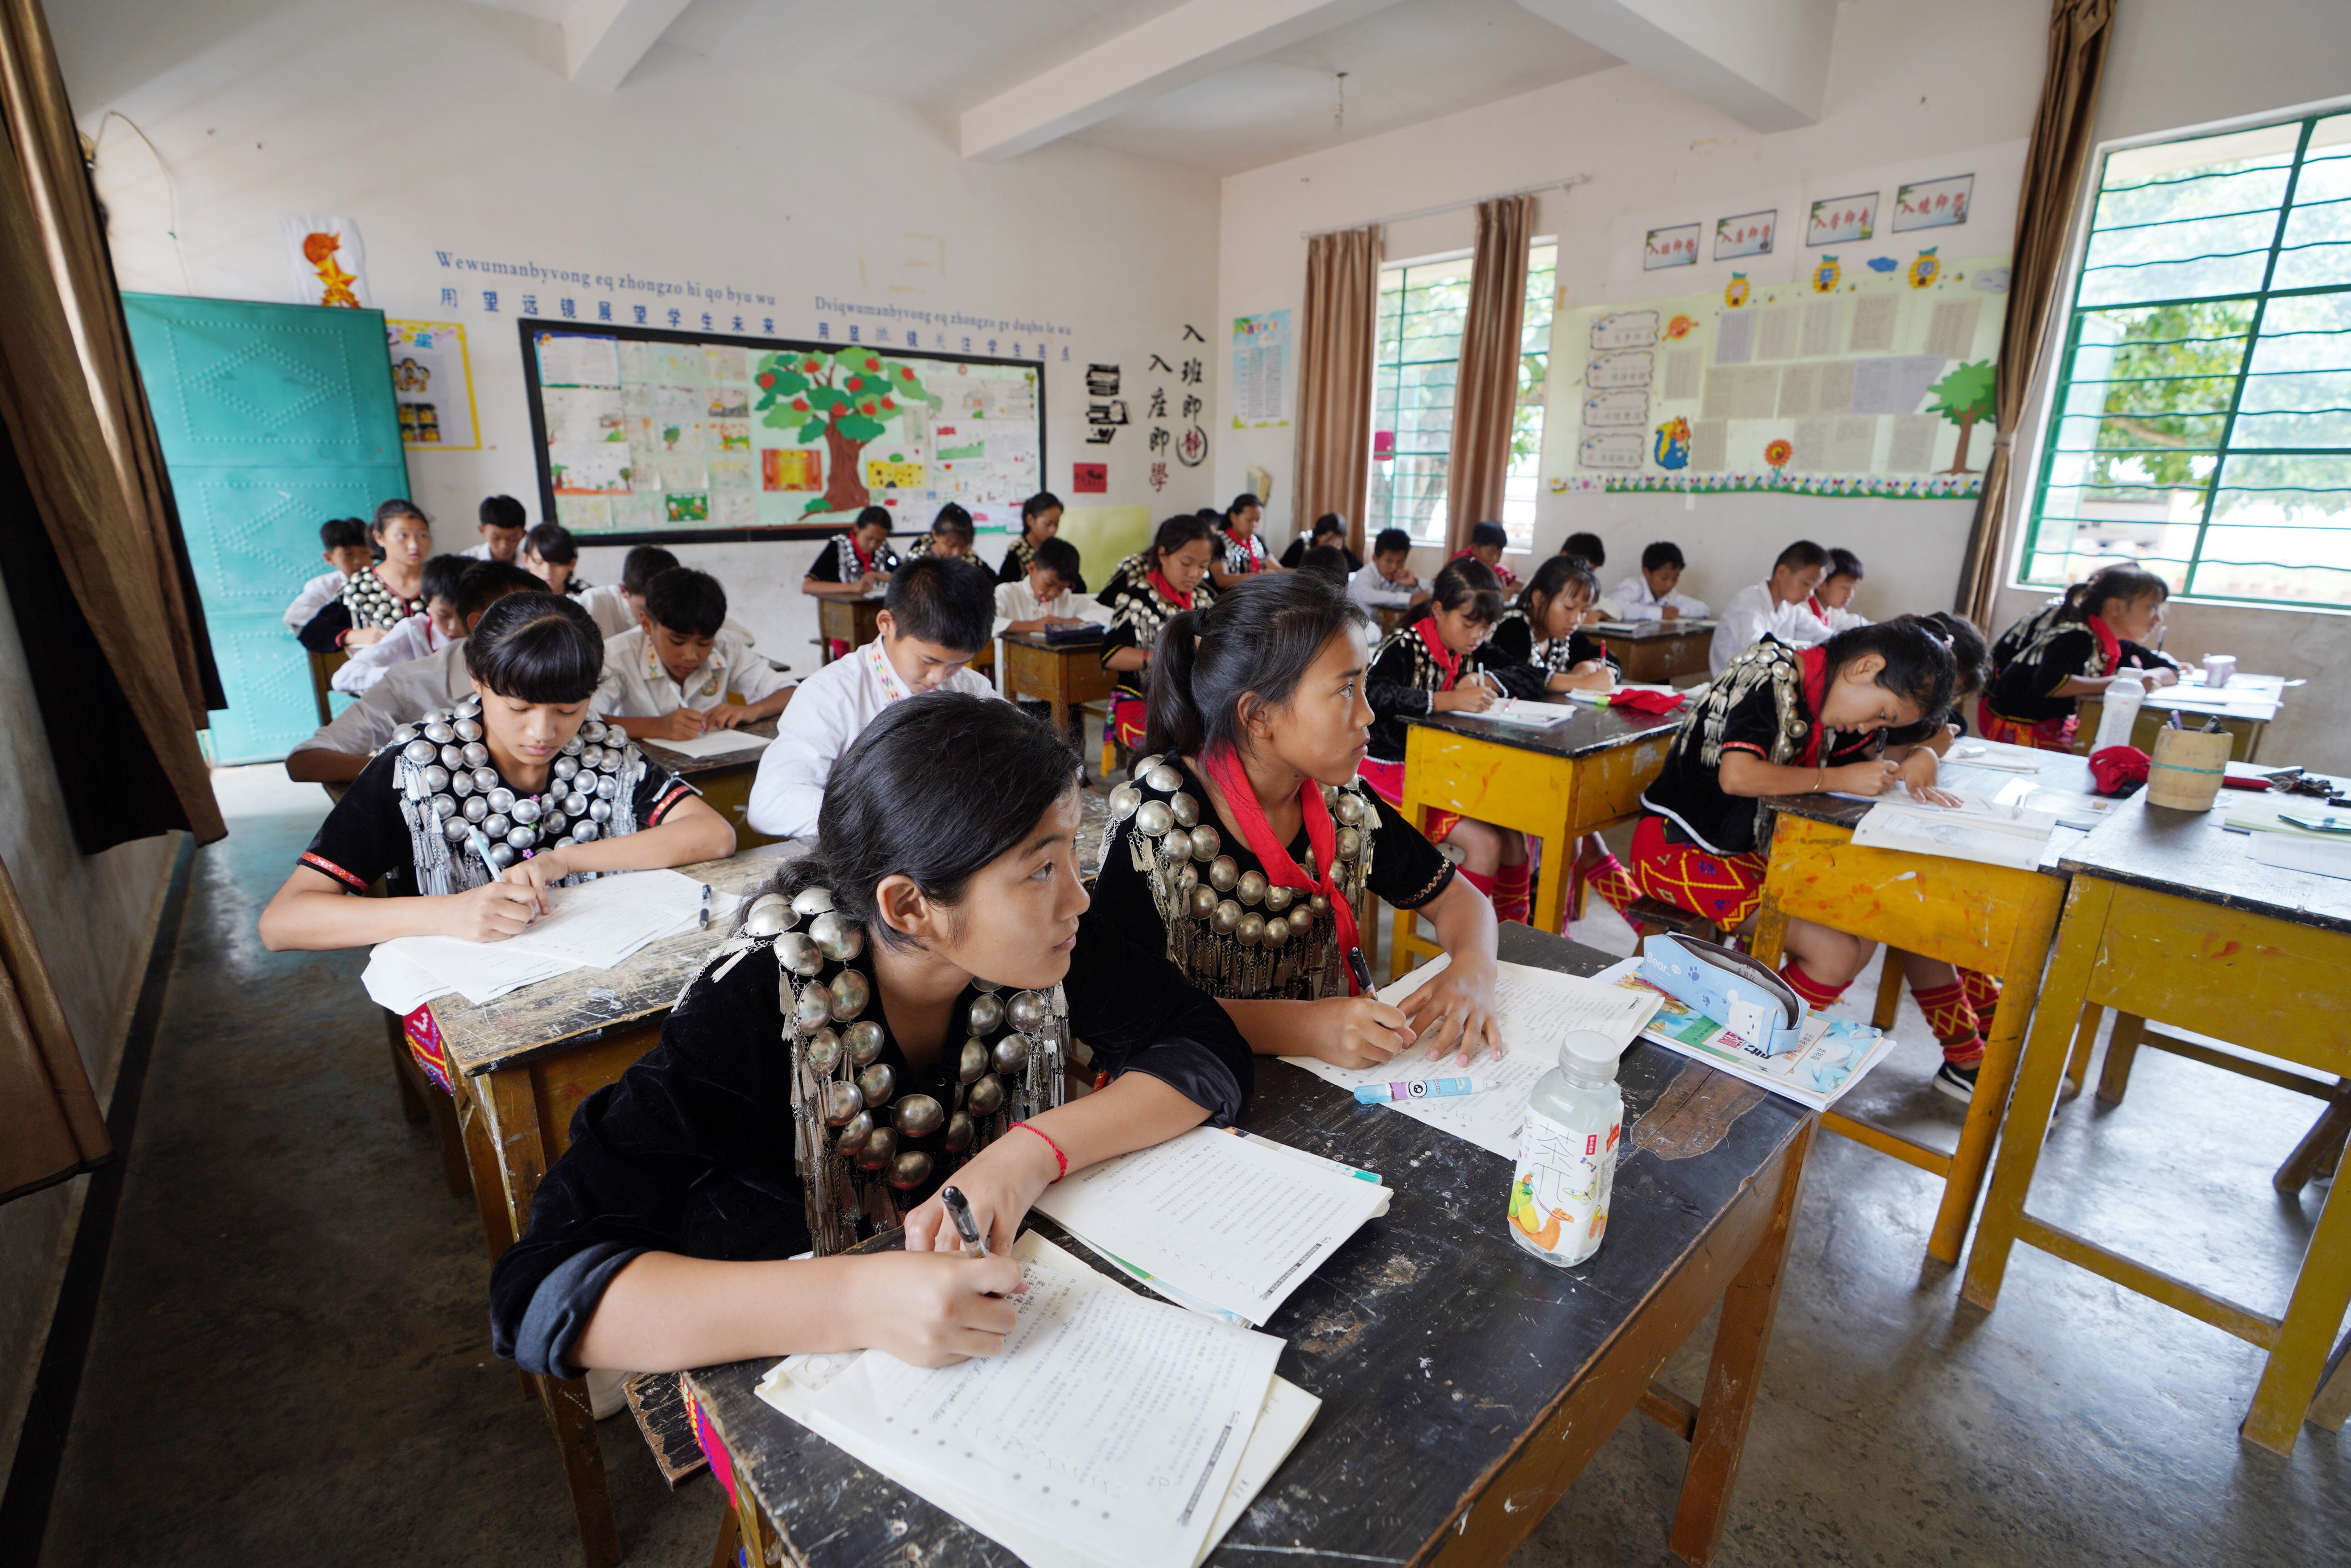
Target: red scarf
1446	660
864	560
1813	604
1225	768
2110	646
1166	590
1814	665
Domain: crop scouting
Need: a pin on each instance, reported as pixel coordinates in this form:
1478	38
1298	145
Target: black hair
440	577
503	512
1329	560
1802	555
1585	546
1059	557
552	541
952	523
872	514
397	506
641	566
1844	562
536	647
1242	503
943	601
687	602
1258	637
1971	655
483	582
1663	553
884	816
343	533
1174	533
1329	522
1919	666
1037	506
1553	578
2124	584
1210	515
1467	584
1390	540
1494	534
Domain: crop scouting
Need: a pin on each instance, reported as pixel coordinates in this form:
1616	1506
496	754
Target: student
1789	721
1439	664
1046	597
403	693
1331	530
1830	602
937	616
1487	543
343	546
1041	519
1775	606
1173	578
668	678
1386	581
1329	560
950	535
614	606
1241	554
1258	721
380	596
533	660
2035	698
1585	548
1654	592
430	630
501	527
553	556
673	1232
857	561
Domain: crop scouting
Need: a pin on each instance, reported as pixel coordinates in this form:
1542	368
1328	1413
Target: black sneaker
1959	1083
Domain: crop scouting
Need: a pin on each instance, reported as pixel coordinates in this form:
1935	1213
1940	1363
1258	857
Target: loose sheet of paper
593	926
1996	829
1524	711
715	743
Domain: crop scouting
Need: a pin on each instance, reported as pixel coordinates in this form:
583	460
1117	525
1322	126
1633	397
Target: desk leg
2299	1353
1550	910
2086	1040
2332	1406
2122	1050
1734	1375
2019	987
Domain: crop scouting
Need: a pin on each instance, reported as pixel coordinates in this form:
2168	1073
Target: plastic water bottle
1567	1156
2124	696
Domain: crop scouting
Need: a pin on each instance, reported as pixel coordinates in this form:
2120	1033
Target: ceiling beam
604	39
1764	63
1174	49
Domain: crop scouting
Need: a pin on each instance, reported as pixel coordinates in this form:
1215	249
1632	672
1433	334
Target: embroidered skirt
1387	778
424	1045
1725	888
2048	736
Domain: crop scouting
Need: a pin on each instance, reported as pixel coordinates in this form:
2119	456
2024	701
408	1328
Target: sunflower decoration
1778	452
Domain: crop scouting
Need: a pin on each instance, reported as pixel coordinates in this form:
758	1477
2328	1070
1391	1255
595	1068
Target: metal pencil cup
2187	767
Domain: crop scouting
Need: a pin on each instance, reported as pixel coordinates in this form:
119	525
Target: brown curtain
1335	345
2079	34
1486	390
79	420
50	1127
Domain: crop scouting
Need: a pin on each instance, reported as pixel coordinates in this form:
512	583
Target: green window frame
2200	421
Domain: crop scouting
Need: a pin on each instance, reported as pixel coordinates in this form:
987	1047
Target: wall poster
432	384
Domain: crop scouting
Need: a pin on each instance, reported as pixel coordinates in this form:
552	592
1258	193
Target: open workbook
1111	1431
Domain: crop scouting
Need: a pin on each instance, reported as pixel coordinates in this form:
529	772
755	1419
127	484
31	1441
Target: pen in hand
959	1210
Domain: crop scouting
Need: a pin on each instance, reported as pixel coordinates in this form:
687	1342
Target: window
1417	357
2203	411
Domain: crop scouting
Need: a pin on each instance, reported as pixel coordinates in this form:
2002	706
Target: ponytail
1172	723
1258	639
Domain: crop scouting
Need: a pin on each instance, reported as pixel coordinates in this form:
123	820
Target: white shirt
317	594
831	710
610	606
1635	602
412	638
1842	618
637	684
1017	601
481	552
1372	591
405	694
1753	611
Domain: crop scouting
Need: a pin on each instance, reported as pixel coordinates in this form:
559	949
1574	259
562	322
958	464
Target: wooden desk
1064	675
724	781
1464	1383
853	621
2168	918
1659	652
1556	784
2245	707
1990	918
1391	617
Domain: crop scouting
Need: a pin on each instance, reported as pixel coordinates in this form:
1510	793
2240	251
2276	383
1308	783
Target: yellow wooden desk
1064	675
2168	918
1555	784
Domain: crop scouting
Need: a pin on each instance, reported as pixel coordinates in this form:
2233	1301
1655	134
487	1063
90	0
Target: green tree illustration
846	397
1963	397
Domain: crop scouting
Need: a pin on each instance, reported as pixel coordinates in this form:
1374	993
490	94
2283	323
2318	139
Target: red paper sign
1090	478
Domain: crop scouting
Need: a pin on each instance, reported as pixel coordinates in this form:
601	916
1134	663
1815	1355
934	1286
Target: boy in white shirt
1778	604
669	678
1651	593
1832	600
431	629
935	619
1047	597
1385	581
503	520
615	605
344	541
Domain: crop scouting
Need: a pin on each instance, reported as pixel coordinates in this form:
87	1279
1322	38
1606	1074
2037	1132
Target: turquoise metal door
274	418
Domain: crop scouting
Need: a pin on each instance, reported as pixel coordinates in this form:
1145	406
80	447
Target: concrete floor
291	1363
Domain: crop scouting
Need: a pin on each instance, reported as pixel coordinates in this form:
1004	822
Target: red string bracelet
1058	1155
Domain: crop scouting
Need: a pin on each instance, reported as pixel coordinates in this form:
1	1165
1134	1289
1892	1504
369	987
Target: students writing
1386	581
1173	578
501	527
1047	597
1654	592
951	535
670	678
1774	608
1041	519
2081	645
1240	553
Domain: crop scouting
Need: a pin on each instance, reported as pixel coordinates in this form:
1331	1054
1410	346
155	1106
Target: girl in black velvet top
893	1015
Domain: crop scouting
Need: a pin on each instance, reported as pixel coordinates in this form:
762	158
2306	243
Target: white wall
443	126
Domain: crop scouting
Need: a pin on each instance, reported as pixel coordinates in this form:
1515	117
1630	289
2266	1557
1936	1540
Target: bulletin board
646	436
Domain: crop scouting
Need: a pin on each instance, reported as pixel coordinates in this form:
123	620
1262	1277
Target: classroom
1114	782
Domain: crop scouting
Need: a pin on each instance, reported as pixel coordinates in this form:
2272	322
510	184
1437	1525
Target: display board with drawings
1866	375
652	436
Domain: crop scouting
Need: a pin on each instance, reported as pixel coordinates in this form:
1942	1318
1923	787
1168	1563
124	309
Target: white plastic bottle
1567	1156
2125	693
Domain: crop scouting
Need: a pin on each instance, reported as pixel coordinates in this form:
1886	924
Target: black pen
959	1210
1360	968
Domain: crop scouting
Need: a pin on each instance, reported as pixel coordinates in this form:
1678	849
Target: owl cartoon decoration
1735	292
1925	269
1826	275
1673	443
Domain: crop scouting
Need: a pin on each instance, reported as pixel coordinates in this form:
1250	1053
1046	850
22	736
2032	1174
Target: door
274	418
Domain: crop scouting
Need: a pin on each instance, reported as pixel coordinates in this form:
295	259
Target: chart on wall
644	434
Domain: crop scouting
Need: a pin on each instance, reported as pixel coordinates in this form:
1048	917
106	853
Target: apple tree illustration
1963	397
848	396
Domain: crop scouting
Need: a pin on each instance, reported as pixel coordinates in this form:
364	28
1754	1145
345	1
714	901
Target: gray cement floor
291	1361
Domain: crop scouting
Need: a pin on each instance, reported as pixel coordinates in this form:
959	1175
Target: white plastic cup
2218	668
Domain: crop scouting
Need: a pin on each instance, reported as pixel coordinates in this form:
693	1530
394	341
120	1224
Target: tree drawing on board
845	396
1963	397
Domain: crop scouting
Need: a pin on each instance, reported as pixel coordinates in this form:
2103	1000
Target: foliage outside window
2202	422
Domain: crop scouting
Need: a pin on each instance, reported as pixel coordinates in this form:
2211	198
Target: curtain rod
1571	179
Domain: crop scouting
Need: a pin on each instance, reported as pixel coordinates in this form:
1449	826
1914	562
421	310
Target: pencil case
1727	986
1090	632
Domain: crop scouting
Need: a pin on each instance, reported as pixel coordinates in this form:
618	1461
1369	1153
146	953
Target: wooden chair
322	674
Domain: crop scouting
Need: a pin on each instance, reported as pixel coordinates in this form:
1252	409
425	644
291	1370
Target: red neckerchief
1224	767
865	562
1812	602
1446	660
1813	663
2110	646
1256	549
1166	590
